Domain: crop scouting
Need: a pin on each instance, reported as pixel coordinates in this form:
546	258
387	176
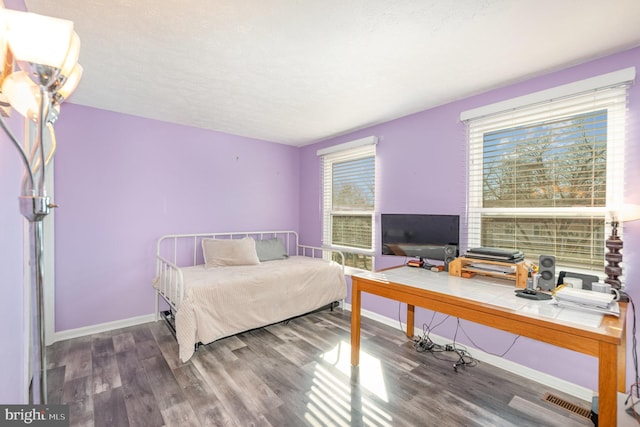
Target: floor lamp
39	70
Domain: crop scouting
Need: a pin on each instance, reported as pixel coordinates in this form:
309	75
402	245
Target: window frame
616	129
350	151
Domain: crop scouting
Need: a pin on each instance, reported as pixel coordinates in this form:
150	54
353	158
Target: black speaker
547	272
450	253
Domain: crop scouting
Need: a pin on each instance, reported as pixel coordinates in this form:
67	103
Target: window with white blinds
543	178
349	202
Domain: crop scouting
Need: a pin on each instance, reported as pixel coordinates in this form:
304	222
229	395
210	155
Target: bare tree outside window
546	170
555	164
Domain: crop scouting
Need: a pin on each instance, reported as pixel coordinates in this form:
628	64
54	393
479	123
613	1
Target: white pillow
221	252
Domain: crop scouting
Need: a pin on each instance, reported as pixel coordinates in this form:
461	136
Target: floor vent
561	403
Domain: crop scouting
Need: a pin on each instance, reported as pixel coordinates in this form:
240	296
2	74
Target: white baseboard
102	327
528	373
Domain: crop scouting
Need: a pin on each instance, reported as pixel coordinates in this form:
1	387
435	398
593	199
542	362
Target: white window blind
544	177
348	203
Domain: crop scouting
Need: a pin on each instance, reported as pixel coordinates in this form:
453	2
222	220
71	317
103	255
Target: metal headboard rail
171	257
291	240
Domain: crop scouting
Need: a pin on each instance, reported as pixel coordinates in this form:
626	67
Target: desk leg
607	384
411	316
355	322
622	363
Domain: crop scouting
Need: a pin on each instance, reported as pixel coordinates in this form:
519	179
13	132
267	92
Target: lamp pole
35	207
46	49
36	232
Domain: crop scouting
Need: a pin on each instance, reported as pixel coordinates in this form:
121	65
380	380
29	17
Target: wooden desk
463	298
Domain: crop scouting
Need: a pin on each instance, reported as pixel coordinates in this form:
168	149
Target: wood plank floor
295	373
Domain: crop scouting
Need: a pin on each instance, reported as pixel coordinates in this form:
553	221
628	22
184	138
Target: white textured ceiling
296	71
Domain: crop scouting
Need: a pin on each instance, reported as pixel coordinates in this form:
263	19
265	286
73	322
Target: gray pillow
270	249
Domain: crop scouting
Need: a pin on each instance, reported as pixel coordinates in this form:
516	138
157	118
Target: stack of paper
587	300
495	254
494	268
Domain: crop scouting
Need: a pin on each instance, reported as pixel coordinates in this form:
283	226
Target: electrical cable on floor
632	409
462	352
425	344
400	320
426	329
634	350
488	352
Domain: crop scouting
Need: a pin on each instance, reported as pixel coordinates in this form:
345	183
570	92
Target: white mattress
224	301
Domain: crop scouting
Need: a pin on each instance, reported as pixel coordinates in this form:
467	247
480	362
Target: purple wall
122	182
12	354
422	169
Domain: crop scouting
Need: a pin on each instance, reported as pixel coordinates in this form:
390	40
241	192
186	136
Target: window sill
349	271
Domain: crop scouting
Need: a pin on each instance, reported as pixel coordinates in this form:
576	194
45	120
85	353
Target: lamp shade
23	94
628	212
69	85
71	59
38	39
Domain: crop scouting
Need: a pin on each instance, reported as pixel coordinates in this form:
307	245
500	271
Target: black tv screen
415	235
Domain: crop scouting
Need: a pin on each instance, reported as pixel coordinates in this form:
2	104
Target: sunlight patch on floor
371	377
333	400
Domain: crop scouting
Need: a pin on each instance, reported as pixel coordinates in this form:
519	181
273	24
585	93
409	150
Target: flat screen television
418	235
